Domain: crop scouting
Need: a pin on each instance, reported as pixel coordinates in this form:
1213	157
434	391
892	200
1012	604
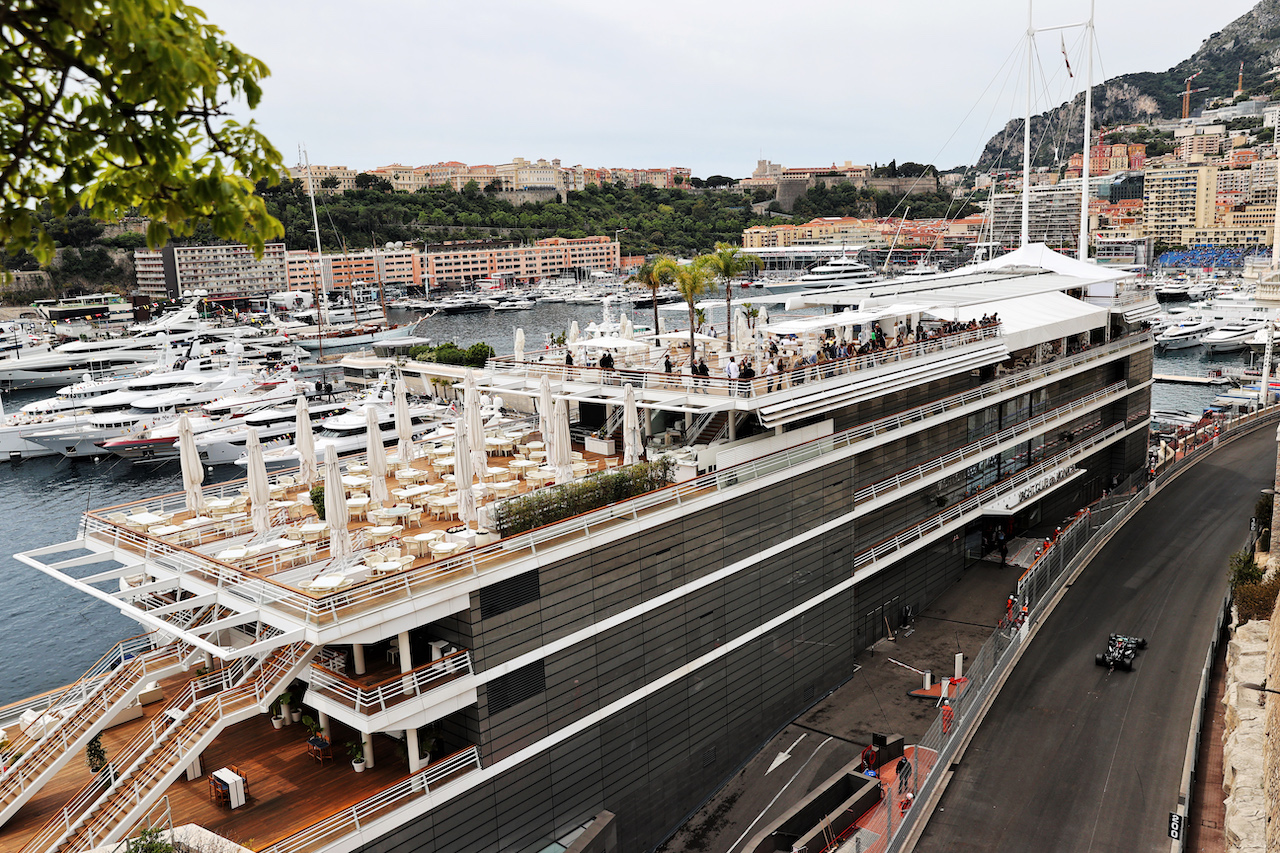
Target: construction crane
1186	96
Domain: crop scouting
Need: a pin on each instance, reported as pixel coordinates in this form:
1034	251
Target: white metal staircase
140	773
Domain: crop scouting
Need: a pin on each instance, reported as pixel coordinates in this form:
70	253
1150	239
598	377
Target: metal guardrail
354	819
1075	545
722	386
391	691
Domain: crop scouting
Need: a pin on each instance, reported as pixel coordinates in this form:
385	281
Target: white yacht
347	431
160	441
842	271
1184	335
1230	337
148	410
275	426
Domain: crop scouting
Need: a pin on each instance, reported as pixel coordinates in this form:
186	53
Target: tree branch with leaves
122	105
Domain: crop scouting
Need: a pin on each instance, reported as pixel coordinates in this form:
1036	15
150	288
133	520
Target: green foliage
356	750
547	506
125	240
659	220
117	105
844	199
312	726
450	353
317	500
1243	569
1257	600
150	840
95	756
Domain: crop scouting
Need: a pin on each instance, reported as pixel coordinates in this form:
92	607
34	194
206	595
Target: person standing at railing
770	371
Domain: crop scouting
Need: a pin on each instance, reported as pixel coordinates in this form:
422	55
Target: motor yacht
186	389
1184	335
842	271
1230	337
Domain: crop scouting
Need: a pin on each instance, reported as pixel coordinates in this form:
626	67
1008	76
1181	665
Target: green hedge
1257	600
449	353
547	506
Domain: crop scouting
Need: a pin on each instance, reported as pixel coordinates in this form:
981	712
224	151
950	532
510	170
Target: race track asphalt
1071	758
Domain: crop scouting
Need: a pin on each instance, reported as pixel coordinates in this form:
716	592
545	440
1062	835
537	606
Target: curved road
1070	758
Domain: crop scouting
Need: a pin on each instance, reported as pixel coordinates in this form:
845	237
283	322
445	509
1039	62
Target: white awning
847	319
1037	319
1040	256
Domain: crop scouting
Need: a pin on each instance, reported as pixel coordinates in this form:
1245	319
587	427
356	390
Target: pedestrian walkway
874	700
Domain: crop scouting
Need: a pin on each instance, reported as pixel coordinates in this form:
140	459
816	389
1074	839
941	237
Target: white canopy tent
1037	319
609	342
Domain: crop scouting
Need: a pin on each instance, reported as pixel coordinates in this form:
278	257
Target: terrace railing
723	386
385	592
358	817
390	692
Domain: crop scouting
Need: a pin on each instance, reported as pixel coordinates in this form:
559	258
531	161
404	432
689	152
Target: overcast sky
714	85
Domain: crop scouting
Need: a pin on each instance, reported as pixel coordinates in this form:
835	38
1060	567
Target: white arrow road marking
783	756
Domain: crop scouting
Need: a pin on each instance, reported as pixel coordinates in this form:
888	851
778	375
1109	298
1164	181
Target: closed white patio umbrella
259	487
573	334
630	428
471	410
463	473
405	451
518	349
335	507
376	458
743	334
544	410
305	442
562	449
192	470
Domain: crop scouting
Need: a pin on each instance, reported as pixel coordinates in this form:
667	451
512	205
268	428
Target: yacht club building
601	673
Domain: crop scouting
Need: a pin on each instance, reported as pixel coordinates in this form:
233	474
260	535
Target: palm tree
726	263
691	280
654	274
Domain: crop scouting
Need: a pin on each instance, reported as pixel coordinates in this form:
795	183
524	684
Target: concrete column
406	662
357	657
733	425
411	746
367	740
323	719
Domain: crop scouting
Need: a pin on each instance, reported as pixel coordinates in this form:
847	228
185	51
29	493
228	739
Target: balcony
368	696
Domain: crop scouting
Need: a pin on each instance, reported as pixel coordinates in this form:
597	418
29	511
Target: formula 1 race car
1120	652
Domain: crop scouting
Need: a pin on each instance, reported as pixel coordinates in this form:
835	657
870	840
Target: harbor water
50	633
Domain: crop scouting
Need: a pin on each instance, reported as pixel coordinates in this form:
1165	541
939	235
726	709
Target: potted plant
277	716
317	500
94	755
314	729
356	750
285	711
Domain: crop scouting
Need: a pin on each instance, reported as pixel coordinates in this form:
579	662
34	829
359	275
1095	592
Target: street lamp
616	232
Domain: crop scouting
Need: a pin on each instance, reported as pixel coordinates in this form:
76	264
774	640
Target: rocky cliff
1253	38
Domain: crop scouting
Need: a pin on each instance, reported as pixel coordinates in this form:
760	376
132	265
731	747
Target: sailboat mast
322	307
1088	137
1026	136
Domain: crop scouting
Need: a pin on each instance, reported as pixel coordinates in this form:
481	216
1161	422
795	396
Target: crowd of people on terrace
786	357
1207	257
